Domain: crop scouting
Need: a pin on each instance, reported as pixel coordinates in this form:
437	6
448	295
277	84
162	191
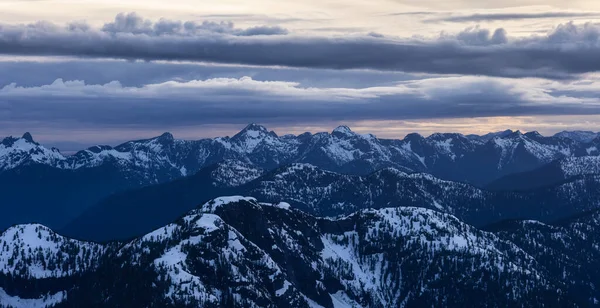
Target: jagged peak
533	133
254	126
26	141
27	136
254	131
513	134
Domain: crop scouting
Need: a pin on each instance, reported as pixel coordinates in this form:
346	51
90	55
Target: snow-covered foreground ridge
238	251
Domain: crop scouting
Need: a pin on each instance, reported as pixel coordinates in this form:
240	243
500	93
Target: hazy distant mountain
581	136
550	174
325	193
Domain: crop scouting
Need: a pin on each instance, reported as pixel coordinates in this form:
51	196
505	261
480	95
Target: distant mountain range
164	158
239	252
42	185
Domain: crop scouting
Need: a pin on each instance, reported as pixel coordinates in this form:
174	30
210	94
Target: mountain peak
413	136
343	129
514	134
255	127
166	136
27	136
533	134
254	131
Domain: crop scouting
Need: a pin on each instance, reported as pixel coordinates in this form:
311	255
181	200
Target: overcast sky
76	73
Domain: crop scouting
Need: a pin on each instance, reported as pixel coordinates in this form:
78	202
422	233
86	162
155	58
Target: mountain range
33	176
42	185
344	220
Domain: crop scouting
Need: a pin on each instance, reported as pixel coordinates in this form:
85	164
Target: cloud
32	72
563	53
476	36
243	100
412	13
511	16
133	23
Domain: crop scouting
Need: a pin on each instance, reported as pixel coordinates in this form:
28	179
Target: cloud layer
243	100
512	16
566	51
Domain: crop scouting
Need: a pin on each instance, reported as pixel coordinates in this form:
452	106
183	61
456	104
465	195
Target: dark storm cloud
569	49
230	101
511	16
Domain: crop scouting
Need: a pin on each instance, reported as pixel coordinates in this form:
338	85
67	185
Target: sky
76	73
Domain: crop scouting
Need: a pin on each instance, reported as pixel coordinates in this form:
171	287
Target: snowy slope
35	251
192	249
238	251
568	250
355	260
573	166
232	173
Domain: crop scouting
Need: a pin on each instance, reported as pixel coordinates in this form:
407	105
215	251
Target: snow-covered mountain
15	152
32	175
37	266
236	251
164	158
325	193
35	251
